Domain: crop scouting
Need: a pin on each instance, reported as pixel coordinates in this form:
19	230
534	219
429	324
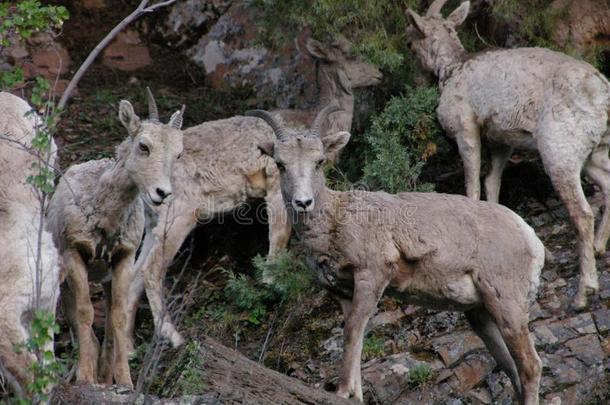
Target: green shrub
20	21
536	19
246	297
376	27
243	299
291	277
400	139
46	370
373	347
420	375
27	17
185	373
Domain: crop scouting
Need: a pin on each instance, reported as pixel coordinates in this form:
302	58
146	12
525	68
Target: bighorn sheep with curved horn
223	167
19	235
437	250
530	98
97	219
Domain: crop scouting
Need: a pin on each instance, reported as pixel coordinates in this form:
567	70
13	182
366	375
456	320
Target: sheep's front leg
107	353
364	302
136	287
469	144
88	346
122	275
279	227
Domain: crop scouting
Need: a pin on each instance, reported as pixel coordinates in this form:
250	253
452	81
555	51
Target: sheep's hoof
579	303
600	248
342	393
176	340
585	289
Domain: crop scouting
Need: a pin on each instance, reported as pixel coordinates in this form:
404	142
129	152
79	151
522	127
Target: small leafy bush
27	17
291	277
373	347
246	297
186	372
46	371
246	300
420	375
537	20
20	21
400	140
376	27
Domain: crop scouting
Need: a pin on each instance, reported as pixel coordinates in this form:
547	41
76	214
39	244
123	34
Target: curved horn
153	114
435	8
176	120
279	130
321	117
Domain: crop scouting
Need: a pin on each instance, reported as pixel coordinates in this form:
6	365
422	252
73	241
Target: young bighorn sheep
97	219
438	250
530	98
19	237
223	167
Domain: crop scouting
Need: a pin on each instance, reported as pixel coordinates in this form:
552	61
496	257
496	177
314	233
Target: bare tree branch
141	9
156	6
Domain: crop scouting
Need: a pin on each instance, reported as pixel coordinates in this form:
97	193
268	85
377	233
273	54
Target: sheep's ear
266	148
128	117
459	14
416	21
333	143
320	51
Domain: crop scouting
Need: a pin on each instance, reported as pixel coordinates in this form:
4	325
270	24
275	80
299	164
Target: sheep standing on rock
530	98
97	219
223	167
437	250
20	216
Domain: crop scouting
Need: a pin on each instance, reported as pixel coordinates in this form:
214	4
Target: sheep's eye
319	164
179	156
280	166
144	148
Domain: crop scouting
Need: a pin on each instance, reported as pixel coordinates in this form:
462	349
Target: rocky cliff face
221	37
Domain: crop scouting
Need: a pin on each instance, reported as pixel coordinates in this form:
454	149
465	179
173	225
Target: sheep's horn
280	131
435	8
153	113
321	117
176	120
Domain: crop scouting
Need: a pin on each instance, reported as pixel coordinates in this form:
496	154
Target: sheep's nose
163	193
304	204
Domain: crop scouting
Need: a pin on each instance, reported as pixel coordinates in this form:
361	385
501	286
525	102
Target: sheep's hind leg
597	169
510	315
16	363
499	157
564	168
469	145
485	327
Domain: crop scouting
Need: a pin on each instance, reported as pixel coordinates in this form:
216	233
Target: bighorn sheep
223	167
20	231
97	219
529	98
437	250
